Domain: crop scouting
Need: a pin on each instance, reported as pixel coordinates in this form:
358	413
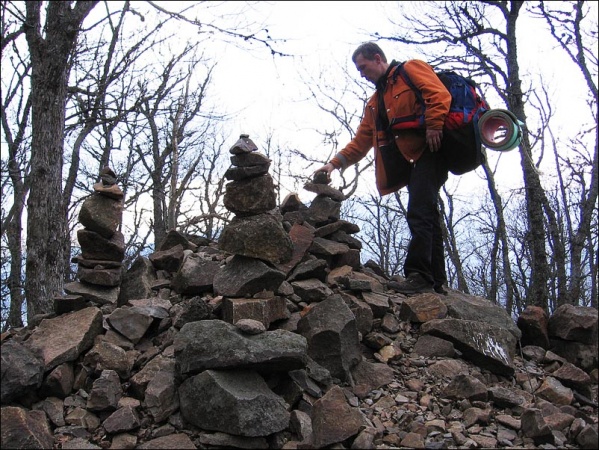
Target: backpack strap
413	120
401	71
382	121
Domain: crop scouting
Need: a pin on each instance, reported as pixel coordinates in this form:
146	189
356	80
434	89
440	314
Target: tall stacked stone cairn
255	237
102	248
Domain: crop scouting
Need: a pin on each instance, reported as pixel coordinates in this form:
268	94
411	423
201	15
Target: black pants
425	251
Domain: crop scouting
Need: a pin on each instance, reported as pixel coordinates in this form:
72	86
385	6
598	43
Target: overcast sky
317	34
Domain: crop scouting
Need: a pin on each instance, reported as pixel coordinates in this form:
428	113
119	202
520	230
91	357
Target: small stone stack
325	208
102	245
332	236
255	237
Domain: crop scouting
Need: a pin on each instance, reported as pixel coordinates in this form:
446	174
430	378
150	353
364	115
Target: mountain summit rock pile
278	337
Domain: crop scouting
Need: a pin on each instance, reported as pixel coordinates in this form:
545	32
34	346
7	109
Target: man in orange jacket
405	157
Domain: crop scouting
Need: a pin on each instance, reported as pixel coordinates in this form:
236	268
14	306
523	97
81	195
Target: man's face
372	70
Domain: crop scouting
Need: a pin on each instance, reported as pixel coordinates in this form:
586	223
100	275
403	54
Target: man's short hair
368	50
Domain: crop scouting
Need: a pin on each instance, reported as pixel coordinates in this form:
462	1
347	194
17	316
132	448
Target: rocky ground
278	337
446	402
409	390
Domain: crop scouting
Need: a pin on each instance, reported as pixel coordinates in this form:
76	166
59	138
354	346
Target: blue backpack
461	139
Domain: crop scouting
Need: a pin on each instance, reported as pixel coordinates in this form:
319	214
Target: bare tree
50	47
170	158
383	230
500	246
101	95
449	227
520	253
207	215
574	29
462	27
345	102
15	116
281	162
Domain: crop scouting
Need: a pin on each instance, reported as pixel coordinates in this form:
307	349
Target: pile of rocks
293	344
102	247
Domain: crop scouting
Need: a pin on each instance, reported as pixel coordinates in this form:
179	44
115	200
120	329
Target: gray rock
161	397
64	338
215	344
234	402
131	322
246	276
259	236
96	294
190	310
332	334
22	428
574	323
94	246
334	420
22	370
105	393
478	309
263	310
101	214
490	346
249	196
466	386
195	275
137	281
178	440
123	419
104	355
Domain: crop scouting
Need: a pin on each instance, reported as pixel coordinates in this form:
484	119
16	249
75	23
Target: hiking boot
414	284
440	289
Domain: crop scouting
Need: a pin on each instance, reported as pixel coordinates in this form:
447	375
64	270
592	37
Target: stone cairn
102	247
332	235
255	237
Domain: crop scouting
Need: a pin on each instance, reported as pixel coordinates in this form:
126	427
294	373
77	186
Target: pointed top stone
243	145
321	178
107	176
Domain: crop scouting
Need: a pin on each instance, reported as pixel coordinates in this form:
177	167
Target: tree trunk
46	224
15	285
501	233
14	222
159	202
535	195
568	19
451	245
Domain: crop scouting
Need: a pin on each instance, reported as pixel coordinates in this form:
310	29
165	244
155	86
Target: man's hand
433	139
328	168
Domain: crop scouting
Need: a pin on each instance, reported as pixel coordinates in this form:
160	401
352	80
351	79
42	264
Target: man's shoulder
416	62
418	69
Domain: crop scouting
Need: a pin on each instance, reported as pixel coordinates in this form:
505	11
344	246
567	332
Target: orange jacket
400	101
